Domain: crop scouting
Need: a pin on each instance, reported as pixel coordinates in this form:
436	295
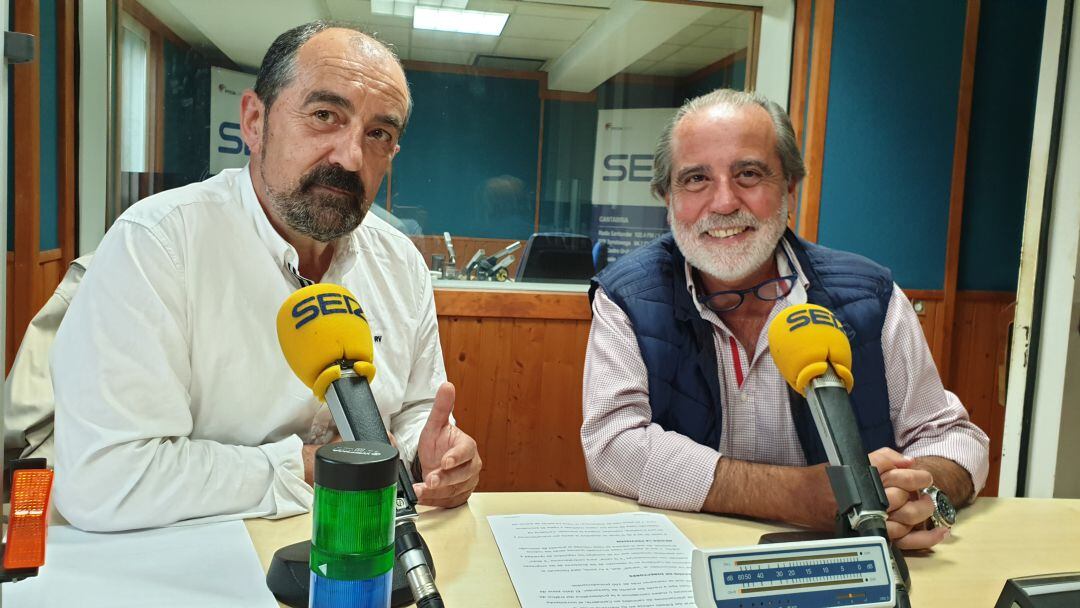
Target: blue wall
50	160
999	143
468	157
893	90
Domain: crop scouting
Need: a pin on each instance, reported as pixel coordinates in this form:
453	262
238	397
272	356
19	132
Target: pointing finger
441	409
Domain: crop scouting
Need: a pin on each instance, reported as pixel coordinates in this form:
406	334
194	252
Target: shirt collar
798	291
345	249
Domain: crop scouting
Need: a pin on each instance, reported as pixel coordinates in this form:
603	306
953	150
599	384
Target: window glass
134	96
532	141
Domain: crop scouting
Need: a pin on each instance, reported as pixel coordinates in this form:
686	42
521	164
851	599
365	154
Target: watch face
945	508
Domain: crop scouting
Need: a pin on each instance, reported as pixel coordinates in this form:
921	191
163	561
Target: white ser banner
625	142
227	148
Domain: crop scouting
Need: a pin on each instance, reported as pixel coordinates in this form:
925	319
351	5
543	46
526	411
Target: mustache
332	176
714	221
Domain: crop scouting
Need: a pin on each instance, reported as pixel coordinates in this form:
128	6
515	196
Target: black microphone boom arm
365	424
851	475
862	506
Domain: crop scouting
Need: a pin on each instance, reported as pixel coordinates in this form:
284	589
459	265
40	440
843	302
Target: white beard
729	263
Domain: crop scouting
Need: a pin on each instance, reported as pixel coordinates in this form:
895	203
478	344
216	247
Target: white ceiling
578	34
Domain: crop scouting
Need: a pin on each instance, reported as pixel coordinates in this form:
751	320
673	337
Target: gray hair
786	146
278	66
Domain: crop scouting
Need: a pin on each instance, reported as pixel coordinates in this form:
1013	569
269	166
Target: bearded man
173	400
683	405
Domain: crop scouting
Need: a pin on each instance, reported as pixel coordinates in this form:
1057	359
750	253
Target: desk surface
995	539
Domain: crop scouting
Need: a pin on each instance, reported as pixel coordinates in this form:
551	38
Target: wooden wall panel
959	171
817	112
464	248
977	357
26	171
931	317
978	347
518	385
48	272
67	190
512	304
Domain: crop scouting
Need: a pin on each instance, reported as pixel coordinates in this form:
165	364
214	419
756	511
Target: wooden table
994	540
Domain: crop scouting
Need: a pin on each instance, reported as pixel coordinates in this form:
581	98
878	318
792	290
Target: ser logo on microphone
812	316
311	308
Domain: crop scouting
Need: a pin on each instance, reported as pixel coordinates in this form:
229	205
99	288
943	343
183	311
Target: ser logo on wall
624	213
229	132
227	147
628	167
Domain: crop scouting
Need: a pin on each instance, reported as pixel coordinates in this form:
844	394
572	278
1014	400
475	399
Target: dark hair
279	63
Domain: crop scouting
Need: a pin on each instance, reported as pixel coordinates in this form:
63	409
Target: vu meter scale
812	574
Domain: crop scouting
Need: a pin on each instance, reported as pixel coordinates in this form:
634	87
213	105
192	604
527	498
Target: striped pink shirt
627	454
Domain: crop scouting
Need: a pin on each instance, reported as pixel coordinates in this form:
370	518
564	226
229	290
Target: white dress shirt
173	400
627	454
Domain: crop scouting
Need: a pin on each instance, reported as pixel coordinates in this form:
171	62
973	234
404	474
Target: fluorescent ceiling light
457	20
404	8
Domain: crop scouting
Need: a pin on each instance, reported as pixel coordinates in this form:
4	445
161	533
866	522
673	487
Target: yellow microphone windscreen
804	340
318	327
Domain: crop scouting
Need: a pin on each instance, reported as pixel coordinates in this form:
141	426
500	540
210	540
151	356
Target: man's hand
448	457
308	455
908	508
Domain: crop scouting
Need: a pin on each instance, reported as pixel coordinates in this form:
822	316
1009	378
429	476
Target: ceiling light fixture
405	8
460	21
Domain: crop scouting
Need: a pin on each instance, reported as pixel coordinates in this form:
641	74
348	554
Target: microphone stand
365	423
860	498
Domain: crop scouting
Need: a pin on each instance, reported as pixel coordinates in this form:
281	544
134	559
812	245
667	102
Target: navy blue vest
677	345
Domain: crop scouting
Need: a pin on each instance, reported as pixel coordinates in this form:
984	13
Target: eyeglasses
768	291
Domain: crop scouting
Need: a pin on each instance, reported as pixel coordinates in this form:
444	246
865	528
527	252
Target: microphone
813	355
327	343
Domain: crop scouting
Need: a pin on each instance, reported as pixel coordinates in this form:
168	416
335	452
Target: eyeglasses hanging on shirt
768	290
304	282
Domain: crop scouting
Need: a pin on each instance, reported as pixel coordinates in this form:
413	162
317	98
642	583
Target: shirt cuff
967	448
288	494
678	477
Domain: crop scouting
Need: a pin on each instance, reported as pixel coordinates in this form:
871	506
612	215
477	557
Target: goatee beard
321	214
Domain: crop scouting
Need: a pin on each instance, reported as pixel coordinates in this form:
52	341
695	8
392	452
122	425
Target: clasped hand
908	507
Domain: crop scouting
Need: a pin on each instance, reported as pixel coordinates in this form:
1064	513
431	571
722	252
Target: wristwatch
944	514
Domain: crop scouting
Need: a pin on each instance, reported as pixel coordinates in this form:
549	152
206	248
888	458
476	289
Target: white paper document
629	560
205	565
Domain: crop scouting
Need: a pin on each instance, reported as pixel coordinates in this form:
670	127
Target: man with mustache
173	400
683	405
